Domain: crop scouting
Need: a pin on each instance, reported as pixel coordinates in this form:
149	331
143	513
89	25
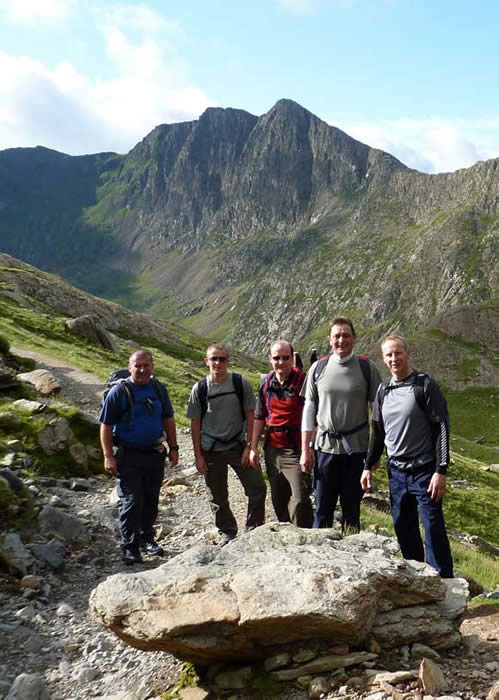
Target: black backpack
120	377
421	382
237	380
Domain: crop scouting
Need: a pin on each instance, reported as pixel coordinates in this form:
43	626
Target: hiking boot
225	539
153	548
131	557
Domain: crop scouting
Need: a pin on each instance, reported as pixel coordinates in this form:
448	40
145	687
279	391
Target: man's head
341	336
140	366
217	361
281	358
396	356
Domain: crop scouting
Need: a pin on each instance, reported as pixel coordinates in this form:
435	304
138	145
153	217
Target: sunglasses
283	358
217	358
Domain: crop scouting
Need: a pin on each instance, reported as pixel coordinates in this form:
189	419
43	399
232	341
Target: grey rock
79	484
42	380
28	686
30	406
64	526
419	651
34	644
50	553
277	661
90	328
236	678
26	614
93	452
86	674
9	420
79	453
14	483
16	553
324	663
55	437
65	610
332	590
432	678
318	687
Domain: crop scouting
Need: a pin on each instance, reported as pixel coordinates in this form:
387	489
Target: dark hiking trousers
289	486
216	483
140	475
338	476
409	498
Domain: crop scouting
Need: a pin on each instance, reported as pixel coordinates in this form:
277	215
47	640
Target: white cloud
432	145
35	11
140	17
66	109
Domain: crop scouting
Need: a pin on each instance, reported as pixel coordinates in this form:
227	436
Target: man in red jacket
279	411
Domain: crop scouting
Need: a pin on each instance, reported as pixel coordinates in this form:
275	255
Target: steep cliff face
246	227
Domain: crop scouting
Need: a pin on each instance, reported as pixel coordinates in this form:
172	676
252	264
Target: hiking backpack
364	366
421	382
294	388
120	377
237	380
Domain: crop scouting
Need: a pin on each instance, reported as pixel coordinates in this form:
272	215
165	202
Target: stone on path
275	586
42	380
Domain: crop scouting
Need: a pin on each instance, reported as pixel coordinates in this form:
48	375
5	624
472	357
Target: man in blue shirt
137	413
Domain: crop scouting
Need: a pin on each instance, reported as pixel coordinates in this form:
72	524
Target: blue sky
417	78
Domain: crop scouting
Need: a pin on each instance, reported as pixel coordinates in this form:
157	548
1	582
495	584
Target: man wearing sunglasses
279	412
221	408
337	393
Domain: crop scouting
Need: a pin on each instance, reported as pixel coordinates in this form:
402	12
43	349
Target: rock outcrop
276	586
88	327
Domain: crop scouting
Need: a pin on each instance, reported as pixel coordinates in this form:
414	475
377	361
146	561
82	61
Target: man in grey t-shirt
410	419
219	407
336	400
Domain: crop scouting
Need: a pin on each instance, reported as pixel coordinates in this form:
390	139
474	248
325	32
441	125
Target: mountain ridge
246	227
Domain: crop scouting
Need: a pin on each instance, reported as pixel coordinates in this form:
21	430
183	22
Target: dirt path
79	387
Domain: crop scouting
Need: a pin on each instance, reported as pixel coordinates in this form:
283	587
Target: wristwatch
173	448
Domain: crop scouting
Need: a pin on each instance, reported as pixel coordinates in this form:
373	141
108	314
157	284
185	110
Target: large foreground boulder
278	585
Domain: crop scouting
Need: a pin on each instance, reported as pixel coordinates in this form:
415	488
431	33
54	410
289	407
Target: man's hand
307	459
365	479
436	489
245	459
254	458
111	466
173	457
201	465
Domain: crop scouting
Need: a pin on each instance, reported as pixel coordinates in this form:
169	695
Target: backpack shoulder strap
237	380
320	367
366	370
203	395
383	390
298	379
420	383
267	384
160	391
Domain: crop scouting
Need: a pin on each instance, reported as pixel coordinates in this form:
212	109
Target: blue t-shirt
142	425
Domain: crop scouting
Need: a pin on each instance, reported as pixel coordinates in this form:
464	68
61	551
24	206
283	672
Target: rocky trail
46	630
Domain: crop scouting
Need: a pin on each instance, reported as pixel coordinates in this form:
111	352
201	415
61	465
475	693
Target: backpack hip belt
282	429
412	465
344	433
